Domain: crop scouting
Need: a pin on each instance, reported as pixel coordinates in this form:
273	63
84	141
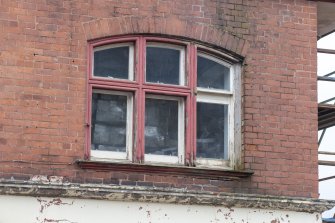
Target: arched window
163	101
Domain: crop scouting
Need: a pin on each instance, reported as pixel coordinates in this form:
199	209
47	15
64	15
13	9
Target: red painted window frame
139	88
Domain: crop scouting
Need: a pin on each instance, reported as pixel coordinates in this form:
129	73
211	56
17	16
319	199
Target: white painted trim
216	98
214	91
232	78
163	97
110	155
129	136
130	62
182	67
160	159
236	158
204	162
181	131
107	155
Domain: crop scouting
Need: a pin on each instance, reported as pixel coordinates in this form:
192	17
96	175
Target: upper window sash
158	56
211	71
114	61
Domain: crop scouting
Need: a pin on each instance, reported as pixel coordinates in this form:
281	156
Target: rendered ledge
197	172
150	194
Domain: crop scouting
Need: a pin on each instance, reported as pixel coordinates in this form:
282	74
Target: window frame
110	155
188	92
218	96
181	133
222	101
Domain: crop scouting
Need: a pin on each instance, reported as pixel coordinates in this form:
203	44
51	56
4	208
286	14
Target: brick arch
165	26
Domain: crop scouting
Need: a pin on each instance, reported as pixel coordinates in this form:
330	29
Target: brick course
43	72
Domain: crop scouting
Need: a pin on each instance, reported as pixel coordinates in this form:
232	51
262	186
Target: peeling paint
43	179
154	195
40	178
57	221
45	203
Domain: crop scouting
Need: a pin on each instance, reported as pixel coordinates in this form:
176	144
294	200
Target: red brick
43	72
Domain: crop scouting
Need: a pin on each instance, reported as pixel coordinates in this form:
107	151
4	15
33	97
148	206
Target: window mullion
191	115
140	103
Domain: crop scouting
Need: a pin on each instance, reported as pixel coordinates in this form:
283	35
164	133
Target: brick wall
43	72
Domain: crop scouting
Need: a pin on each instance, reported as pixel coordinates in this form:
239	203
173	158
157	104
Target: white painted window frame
130	61
182	60
118	156
231	98
151	158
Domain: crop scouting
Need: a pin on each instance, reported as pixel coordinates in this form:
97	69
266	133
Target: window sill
197	172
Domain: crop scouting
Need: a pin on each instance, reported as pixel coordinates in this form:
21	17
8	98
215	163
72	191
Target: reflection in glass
212	124
162	65
161	127
112	62
212	74
109	118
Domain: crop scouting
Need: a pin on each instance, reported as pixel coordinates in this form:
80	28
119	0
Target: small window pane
212	74
161	127
163	65
109	119
113	62
212	134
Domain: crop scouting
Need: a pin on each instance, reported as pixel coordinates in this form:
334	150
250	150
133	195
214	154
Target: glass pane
212	74
109	119
212	130
161	127
112	62
163	65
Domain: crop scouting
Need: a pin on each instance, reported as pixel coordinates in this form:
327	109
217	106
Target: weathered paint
55	189
18	209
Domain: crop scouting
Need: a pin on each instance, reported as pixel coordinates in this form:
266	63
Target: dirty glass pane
161	127
212	126
162	65
212	75
109	118
112	62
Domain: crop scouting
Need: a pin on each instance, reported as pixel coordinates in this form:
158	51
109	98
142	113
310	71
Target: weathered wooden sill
207	173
